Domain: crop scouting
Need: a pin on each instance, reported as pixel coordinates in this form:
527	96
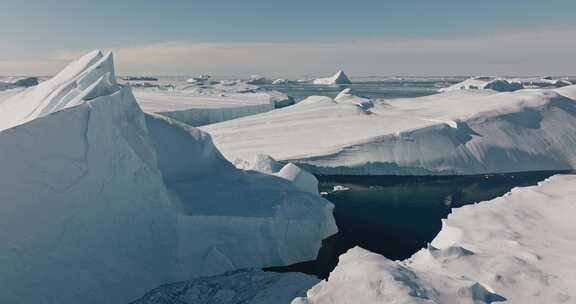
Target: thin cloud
539	51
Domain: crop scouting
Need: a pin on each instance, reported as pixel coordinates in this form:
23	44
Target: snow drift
519	248
101	202
339	78
459	132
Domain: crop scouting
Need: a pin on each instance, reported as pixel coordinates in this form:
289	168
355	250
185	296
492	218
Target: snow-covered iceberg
486	83
459	132
242	286
101	202
17	82
519	248
198	107
545	82
339	78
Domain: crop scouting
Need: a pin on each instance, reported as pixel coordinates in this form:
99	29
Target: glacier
518	248
339	78
452	133
102	202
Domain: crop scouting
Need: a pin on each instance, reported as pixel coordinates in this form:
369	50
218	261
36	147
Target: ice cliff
203	104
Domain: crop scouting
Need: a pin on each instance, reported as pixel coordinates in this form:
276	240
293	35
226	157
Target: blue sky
43	30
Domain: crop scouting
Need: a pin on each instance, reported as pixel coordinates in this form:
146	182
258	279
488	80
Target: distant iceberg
486	83
18	82
102	202
339	78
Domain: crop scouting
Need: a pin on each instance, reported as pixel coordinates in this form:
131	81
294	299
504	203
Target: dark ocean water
397	216
371	88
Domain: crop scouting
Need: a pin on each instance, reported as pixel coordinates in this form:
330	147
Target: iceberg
339	78
202	107
518	248
257	79
453	133
486	83
280	81
102	202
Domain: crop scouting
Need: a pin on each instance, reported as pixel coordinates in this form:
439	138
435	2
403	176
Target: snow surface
242	286
199	106
519	248
459	132
268	165
101	202
339	78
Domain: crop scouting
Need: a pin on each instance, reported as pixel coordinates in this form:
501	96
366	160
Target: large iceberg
519	248
459	132
197	106
101	202
339	78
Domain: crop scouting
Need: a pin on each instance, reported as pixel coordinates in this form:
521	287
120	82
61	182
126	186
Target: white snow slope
101	202
198	107
519	248
460	132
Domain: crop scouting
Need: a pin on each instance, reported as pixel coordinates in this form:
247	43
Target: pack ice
204	103
519	248
101	202
457	132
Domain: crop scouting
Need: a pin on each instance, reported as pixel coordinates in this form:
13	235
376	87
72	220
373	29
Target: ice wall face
519	248
101	203
202	106
460	132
